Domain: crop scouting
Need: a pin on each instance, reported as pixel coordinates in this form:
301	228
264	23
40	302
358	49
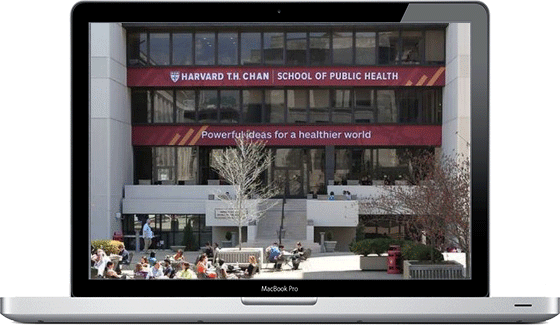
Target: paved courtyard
343	265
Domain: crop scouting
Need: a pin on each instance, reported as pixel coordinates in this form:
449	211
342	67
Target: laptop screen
280	151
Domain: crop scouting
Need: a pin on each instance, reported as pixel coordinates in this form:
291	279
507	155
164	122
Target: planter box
241	257
330	245
425	270
227	243
373	263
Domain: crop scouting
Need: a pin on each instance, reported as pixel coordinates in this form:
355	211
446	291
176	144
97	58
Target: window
412	47
296	44
342	106
319	106
388	47
341	166
208	106
431	106
159	49
409	105
187	165
163	106
364	105
386	106
320	48
343	48
227	48
297	106
252	106
273	48
205	45
164	167
185	103
137	49
435	47
141	105
229	106
365	48
251	48
182	49
274	106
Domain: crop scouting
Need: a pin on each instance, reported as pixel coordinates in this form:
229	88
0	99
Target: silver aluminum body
286	310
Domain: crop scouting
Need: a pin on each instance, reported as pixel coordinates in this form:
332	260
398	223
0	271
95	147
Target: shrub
329	236
420	252
368	246
108	245
188	238
228	235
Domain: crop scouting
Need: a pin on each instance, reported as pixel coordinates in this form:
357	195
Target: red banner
285	76
288	135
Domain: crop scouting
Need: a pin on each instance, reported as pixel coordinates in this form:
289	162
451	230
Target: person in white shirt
147	234
155	272
100	261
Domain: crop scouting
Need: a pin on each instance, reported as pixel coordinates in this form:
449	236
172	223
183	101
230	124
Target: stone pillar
322	233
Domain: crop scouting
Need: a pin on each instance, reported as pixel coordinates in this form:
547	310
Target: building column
111	162
456	124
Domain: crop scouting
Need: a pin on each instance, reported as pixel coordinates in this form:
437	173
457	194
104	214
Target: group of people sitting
151	268
102	266
277	255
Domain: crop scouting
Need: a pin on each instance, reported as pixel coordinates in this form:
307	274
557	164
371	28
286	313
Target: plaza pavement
340	265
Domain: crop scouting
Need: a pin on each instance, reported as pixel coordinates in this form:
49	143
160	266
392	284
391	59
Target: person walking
147	234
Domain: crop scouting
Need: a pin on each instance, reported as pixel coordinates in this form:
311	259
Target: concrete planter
373	263
330	245
426	270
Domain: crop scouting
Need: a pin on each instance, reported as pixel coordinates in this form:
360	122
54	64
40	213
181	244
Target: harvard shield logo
174	75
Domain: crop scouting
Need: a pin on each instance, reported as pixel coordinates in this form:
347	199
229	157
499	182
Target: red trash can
394	260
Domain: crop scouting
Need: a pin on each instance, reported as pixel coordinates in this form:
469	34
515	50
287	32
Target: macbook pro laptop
280	162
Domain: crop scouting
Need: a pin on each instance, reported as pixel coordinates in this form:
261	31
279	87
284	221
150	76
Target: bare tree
242	166
437	203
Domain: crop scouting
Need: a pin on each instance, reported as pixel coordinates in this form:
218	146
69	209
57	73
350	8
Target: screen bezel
295	13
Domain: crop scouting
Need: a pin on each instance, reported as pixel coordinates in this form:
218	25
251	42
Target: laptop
356	116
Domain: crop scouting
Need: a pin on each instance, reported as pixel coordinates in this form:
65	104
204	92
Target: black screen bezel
476	14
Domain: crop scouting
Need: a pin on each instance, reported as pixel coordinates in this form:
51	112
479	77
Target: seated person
125	255
277	256
331	196
152	260
179	256
299	250
202	268
100	262
253	267
168	270
140	272
222	270
186	272
144	262
110	273
156	271
209	250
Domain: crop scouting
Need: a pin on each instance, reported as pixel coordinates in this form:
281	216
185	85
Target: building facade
342	107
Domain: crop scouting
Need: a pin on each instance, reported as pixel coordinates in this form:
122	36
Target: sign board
286	76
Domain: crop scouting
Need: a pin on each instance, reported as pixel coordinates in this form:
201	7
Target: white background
35	148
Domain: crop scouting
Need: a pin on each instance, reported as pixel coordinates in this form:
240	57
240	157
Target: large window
273	48
182	49
205	48
403	105
275	106
377	46
297	106
227	48
296	44
159	48
375	165
320	48
251	48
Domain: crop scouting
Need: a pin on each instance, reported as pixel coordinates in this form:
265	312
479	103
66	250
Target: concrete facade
110	144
